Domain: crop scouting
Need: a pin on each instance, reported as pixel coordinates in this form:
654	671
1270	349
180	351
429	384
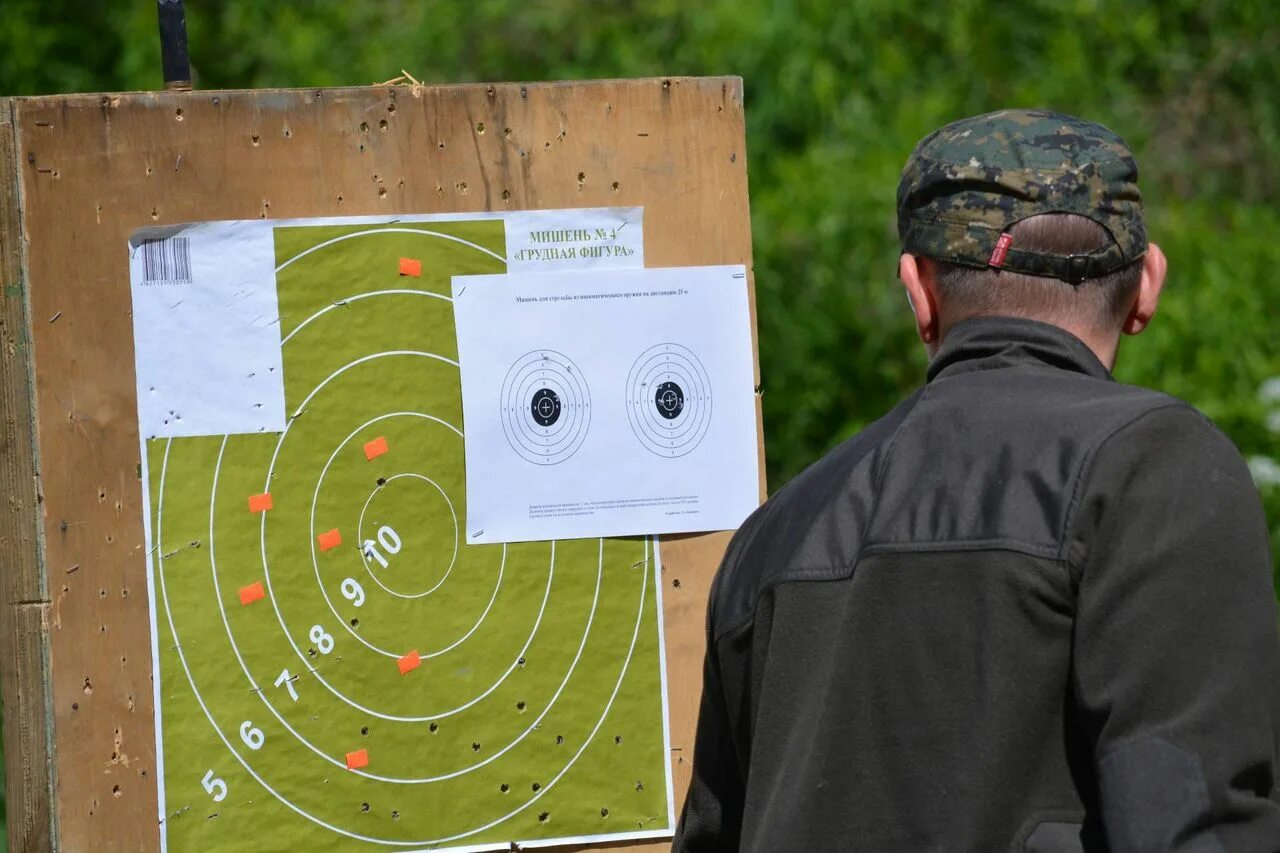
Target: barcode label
166	261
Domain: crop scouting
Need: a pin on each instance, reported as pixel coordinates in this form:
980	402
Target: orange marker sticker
410	662
260	503
357	759
410	266
375	448
332	539
251	593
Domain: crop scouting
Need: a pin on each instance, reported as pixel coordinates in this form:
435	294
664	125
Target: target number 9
252	736
390	542
323	641
353	592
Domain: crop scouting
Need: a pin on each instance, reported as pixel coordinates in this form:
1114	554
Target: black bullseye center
545	407
669	400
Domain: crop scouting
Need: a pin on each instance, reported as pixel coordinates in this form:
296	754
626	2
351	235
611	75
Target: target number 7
286	681
212	784
390	542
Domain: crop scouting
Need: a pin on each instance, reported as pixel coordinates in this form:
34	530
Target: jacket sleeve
1177	660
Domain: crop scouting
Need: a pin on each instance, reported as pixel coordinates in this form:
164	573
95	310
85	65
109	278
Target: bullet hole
542	818
604	813
395	815
311	652
639	785
75	706
504	787
364	128
110	539
102	495
462	187
582	179
524	91
355	622
475	747
287	133
506	194
102	629
339	198
666	84
155	213
441	145
614	186
520	706
733	158
364	807
382	192
361	146
559	740
434	727
480	127
391	109
537	786
382	481
382	125
177	114
254	140
364	730
88	686
520	662
149	170
102	593
115	791
617	739
675	582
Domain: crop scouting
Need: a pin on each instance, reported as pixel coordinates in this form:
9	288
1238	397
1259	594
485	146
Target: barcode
166	261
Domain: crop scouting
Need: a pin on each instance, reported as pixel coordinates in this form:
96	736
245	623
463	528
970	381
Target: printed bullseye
411	502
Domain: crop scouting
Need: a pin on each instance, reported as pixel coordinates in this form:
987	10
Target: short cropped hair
1100	303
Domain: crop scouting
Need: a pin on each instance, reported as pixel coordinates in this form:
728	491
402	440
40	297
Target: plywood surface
83	172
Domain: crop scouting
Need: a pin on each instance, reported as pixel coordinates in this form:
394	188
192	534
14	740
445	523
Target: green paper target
535	709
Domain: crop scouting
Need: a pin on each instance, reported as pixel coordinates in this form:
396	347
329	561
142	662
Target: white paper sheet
606	404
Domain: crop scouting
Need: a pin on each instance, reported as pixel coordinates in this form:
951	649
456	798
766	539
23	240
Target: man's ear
916	275
1154	267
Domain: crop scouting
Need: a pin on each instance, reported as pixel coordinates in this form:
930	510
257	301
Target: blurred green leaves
837	94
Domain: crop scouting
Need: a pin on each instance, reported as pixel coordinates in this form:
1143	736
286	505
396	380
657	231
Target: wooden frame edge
24	617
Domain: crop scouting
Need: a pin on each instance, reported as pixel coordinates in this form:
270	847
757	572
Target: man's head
1031	214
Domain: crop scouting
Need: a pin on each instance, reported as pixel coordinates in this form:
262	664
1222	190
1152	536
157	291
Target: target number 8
390	542
323	641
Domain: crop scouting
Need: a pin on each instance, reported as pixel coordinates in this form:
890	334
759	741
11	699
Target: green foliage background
837	93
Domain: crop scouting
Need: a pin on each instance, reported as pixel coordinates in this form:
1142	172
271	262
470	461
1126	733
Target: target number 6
252	737
214	786
390	542
353	592
323	641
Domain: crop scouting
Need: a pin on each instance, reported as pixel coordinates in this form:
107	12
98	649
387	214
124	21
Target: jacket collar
985	343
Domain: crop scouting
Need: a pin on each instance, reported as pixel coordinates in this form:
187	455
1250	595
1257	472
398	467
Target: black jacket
1031	609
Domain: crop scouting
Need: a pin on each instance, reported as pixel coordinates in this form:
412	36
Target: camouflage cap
967	184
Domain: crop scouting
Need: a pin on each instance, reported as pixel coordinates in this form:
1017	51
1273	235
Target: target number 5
252	737
390	542
214	786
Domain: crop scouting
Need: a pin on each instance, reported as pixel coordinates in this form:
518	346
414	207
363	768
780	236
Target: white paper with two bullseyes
611	403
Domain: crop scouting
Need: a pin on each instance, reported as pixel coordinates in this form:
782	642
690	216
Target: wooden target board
546	728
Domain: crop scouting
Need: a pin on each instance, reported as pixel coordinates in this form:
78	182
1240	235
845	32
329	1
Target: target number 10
390	542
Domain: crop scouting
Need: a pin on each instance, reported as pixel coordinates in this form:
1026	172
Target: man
1031	609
